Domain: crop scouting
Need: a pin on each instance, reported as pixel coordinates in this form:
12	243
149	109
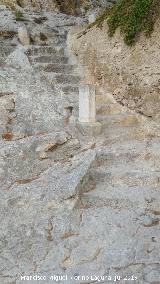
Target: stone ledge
89	129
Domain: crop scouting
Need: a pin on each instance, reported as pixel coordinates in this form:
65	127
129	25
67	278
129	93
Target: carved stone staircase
119	216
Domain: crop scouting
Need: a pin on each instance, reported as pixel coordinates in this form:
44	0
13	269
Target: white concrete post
23	35
87	104
92	18
87	124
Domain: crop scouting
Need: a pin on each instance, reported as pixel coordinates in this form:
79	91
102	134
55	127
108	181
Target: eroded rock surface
72	7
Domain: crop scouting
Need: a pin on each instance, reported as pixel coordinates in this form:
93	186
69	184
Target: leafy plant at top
132	17
19	16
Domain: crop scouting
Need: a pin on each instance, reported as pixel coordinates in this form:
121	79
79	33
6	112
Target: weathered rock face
20	109
70	204
96	3
64	6
68	6
35	5
131	75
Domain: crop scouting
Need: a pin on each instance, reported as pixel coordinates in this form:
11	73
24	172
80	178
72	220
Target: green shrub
19	16
132	17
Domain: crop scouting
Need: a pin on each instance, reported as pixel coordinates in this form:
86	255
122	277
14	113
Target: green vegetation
132	17
19	16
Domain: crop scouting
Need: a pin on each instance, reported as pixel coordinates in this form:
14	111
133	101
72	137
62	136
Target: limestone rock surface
65	6
129	74
18	59
71	204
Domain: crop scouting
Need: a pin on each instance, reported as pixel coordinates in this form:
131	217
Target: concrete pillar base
89	129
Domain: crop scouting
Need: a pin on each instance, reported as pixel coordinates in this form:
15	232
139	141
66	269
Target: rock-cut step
72	96
5	50
108	108
59	68
70	89
118	119
91	200
45	50
138	154
118	197
116	177
48	59
63	79
55	67
122	133
129	158
136	164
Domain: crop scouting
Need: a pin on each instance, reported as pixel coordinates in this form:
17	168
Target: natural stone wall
66	6
50	5
131	75
33	5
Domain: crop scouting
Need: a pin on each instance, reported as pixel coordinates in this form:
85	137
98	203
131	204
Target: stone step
118	120
145	145
53	40
104	109
90	201
134	162
66	79
57	35
48	68
137	155
140	160
70	89
128	178
6	50
60	34
59	68
2	61
122	133
48	59
103	99
56	40
45	50
118	197
73	99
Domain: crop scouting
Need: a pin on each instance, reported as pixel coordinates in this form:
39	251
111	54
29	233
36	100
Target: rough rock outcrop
70	204
131	75
65	6
35	5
